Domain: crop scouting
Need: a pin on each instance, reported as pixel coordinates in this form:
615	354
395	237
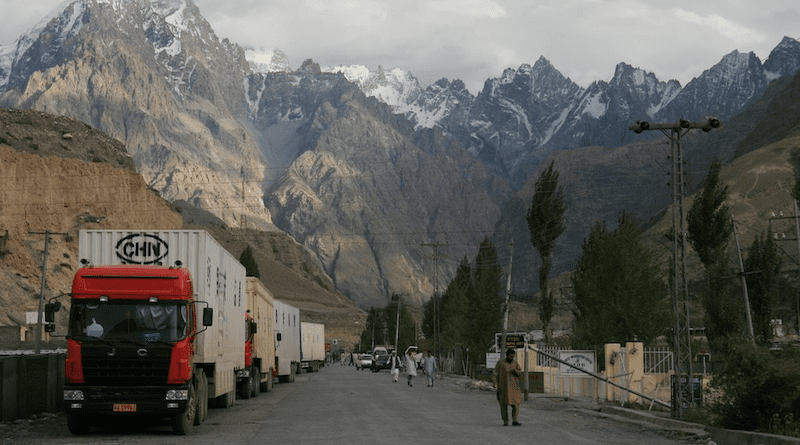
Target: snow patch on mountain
265	62
594	107
395	87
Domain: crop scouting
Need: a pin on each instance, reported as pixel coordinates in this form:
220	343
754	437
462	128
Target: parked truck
133	341
287	341
259	370
312	346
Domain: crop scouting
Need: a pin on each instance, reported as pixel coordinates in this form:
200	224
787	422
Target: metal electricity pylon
683	395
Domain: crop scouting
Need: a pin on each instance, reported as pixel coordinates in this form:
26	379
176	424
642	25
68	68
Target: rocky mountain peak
784	59
272	62
310	67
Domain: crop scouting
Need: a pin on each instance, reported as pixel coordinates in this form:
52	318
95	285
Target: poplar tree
764	263
486	302
249	263
709	229
620	294
454	307
546	223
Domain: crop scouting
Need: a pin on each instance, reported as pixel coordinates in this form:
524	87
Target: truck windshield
128	321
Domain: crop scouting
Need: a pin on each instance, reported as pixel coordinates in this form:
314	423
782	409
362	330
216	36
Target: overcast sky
474	40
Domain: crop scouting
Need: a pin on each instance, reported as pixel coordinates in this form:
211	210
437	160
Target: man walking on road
504	379
411	368
395	366
430	367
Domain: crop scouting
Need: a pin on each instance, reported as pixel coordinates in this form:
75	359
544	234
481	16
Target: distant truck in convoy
259	370
312	346
287	341
133	342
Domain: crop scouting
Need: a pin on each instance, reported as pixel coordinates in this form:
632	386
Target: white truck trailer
259	350
287	341
219	283
312	346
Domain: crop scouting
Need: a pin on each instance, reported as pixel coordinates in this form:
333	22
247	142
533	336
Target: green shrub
757	387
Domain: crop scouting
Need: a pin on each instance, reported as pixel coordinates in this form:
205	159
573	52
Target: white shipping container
261	304
287	350
312	347
217	276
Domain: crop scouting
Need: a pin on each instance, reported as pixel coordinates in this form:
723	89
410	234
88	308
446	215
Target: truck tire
78	424
246	387
202	399
182	423
256	382
267	385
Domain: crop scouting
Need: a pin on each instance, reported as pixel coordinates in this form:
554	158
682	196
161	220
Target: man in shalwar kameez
505	380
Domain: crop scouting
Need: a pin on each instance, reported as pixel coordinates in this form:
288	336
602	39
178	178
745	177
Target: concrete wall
31	384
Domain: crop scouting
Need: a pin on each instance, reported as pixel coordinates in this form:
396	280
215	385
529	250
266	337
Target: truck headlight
73	394
178	394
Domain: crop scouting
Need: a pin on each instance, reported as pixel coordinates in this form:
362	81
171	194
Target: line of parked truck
166	323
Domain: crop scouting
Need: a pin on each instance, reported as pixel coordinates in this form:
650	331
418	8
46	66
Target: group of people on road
409	362
505	379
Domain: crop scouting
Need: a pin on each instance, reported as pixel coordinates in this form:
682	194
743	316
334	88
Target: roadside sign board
514	340
582	359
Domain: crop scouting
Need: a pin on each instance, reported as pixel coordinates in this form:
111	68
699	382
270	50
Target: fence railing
641	370
658	361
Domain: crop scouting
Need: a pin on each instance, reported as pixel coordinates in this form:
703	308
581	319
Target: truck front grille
125	366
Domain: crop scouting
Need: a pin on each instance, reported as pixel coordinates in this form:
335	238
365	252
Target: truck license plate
124	407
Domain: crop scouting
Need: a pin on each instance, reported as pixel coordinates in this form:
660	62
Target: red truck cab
130	345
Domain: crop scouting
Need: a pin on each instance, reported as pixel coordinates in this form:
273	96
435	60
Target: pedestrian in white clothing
430	367
411	368
395	360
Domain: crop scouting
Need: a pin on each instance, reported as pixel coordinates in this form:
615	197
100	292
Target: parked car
381	361
364	361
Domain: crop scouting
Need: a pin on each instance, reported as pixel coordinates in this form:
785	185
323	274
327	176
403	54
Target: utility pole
243	222
397	326
504	335
46	234
744	286
436	315
680	292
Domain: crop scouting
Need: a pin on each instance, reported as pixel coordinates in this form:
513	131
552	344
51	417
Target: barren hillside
58	175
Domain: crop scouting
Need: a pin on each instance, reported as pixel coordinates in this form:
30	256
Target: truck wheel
256	382
201	414
78	424
246	387
182	423
267	386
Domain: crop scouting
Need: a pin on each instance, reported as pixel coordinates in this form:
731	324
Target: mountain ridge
274	150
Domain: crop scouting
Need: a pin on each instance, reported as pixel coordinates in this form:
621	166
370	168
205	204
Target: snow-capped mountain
338	170
360	167
520	117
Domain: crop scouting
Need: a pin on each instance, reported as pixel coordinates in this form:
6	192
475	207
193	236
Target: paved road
340	405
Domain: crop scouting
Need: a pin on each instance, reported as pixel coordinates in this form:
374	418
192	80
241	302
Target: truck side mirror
208	316
253	327
50	310
278	337
50	327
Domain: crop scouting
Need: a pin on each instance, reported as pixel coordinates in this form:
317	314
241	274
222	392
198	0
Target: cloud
475	40
737	33
474	8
